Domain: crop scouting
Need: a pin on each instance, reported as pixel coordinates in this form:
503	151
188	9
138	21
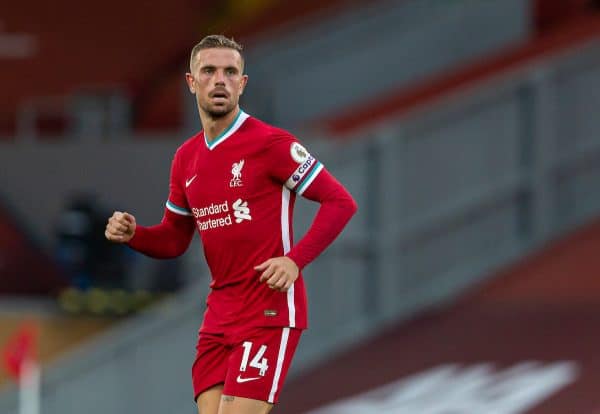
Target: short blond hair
216	41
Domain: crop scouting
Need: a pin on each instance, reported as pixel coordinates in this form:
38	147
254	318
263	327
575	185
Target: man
236	182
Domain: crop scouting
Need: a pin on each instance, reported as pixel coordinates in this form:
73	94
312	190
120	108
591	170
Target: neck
213	127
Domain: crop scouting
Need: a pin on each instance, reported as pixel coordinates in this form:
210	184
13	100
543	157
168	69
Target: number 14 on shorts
258	361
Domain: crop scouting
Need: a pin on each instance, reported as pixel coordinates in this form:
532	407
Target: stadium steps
538	315
69	37
269	27
153	106
78	45
122	45
575	32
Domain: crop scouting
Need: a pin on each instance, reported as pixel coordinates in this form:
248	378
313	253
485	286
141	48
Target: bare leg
208	401
239	405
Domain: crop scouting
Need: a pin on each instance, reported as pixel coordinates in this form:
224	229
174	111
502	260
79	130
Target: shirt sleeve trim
310	178
178	210
299	173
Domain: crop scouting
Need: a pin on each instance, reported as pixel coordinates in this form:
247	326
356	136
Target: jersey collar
229	131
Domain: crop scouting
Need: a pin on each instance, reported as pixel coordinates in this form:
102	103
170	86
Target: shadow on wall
24	268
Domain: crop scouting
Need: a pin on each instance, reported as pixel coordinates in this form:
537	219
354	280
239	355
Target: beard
217	112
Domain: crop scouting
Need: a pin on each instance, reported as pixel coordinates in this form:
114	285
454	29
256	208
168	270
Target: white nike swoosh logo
188	182
241	380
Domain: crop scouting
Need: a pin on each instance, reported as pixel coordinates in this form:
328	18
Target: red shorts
250	365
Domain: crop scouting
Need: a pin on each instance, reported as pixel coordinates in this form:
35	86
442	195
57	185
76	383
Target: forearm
327	225
166	240
337	207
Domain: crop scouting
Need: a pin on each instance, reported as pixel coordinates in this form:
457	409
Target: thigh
259	363
210	366
241	405
208	400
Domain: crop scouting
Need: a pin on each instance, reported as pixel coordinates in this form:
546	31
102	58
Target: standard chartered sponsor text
214	223
212	209
205	222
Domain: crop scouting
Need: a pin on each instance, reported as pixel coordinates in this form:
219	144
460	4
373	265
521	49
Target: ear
190	82
243	83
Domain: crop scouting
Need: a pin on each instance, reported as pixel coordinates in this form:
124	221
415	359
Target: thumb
262	266
129	217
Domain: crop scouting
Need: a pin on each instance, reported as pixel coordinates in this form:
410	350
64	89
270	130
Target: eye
208	70
230	71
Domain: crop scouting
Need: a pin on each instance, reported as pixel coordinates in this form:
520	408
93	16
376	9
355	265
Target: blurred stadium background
468	131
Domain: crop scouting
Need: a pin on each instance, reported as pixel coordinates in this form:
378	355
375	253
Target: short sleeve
295	167
177	201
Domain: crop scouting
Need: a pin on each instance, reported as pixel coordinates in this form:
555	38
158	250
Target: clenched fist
120	227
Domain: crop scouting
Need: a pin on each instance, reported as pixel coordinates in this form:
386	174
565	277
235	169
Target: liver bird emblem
236	171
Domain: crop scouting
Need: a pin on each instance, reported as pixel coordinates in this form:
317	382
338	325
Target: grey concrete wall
361	54
36	179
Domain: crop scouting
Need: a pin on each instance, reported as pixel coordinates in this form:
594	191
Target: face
217	80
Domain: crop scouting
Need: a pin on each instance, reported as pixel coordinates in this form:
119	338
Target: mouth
219	95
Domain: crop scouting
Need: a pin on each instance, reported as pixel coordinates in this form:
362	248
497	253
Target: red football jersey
240	190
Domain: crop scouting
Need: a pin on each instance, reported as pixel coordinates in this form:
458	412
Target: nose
219	77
